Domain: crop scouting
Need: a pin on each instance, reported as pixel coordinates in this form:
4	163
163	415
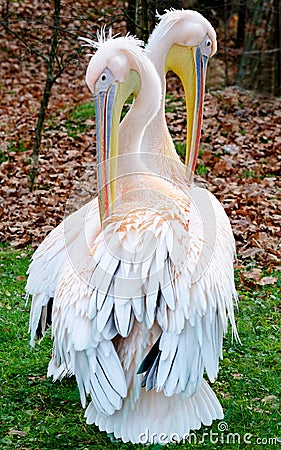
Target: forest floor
239	155
239	160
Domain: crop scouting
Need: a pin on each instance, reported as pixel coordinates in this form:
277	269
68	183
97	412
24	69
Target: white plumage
140	306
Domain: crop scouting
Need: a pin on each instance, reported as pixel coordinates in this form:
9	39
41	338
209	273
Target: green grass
248	174
173	104
13	146
76	122
201	169
3	156
18	146
39	414
180	148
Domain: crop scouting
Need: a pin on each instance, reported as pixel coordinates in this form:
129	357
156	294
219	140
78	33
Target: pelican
214	295
136	330
178	34
183	41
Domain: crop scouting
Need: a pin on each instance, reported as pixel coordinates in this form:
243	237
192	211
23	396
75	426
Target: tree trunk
50	79
247	61
277	42
145	20
225	38
140	15
5	12
260	62
242	19
131	16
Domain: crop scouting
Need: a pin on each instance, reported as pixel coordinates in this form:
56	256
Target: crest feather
102	38
130	44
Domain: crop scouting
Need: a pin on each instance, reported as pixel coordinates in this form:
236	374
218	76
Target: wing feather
193	315
162	292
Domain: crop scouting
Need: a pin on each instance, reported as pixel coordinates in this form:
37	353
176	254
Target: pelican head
117	70
183	41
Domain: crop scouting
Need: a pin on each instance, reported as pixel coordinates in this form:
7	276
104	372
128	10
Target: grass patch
13	146
201	169
180	148
39	414
76	122
173	104
248	174
3	156
18	146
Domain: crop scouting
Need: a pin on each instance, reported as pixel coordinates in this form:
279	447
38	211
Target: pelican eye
206	46
105	79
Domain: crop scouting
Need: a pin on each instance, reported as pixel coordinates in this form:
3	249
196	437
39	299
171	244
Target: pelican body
136	328
143	286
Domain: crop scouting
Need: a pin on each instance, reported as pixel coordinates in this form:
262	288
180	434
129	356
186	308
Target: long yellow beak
103	104
108	108
190	66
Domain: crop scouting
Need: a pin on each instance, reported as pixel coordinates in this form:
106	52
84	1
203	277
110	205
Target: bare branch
66	63
30	47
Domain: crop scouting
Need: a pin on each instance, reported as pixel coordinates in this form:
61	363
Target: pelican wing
172	273
144	268
78	345
193	307
49	258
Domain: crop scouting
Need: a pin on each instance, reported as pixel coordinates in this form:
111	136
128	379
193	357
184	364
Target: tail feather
45	320
155	418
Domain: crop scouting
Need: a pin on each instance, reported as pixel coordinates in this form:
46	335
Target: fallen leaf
20	278
255	274
268	280
17	433
273	399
